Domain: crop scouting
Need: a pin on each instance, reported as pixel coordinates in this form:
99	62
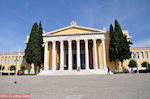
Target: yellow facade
140	54
8	59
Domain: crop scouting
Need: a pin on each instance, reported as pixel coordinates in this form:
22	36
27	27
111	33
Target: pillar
95	54
45	56
70	55
104	53
53	56
61	56
86	55
78	53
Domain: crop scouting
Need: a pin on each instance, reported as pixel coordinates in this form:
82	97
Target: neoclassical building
77	48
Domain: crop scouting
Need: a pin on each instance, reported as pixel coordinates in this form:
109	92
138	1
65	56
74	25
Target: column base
74	72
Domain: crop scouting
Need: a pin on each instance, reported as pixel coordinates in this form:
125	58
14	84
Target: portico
74	50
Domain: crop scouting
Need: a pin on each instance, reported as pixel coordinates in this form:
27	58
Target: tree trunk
32	70
121	66
115	65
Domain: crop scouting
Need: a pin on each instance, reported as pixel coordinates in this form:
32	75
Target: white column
78	53
45	56
53	56
61	56
70	55
95	54
104	53
86	55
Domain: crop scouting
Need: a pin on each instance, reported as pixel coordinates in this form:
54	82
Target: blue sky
18	16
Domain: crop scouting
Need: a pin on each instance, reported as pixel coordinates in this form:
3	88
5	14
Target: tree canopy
12	67
145	64
132	64
23	68
119	46
34	50
2	67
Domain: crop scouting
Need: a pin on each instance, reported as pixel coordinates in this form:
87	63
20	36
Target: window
141	54
16	59
146	55
9	59
137	55
2	59
13	60
5	59
132	55
23	60
20	59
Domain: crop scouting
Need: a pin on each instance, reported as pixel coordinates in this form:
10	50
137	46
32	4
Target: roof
9	53
73	25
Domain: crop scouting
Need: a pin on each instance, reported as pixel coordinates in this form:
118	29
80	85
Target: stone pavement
117	86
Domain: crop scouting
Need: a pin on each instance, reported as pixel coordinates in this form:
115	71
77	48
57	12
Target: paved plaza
118	86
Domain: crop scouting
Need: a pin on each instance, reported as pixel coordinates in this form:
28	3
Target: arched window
16	59
137	55
23	60
132	55
2	59
141	54
5	59
20	59
9	59
146	55
13	59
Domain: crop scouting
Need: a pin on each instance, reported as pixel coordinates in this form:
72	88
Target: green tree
34	50
132	64
145	64
119	47
23	68
41	42
2	67
113	50
12	67
123	43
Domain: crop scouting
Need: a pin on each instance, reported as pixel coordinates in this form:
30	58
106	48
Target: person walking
108	71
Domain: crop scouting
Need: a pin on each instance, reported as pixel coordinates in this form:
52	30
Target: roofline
1	53
91	33
140	47
71	27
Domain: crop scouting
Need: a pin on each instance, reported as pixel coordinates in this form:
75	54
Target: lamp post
147	65
16	65
2	62
17	59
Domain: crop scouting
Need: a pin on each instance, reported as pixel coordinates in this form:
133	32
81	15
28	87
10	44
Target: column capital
53	41
102	39
77	40
69	40
94	39
86	40
45	41
61	40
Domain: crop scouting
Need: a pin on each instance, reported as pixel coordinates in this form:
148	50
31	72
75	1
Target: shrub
23	68
132	64
12	67
2	67
145	64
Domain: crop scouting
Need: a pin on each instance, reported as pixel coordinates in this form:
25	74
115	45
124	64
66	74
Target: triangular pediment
73	30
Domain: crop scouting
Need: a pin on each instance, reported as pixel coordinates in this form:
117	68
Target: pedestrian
108	71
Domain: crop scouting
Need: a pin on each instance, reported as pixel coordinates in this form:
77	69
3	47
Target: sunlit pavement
117	86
